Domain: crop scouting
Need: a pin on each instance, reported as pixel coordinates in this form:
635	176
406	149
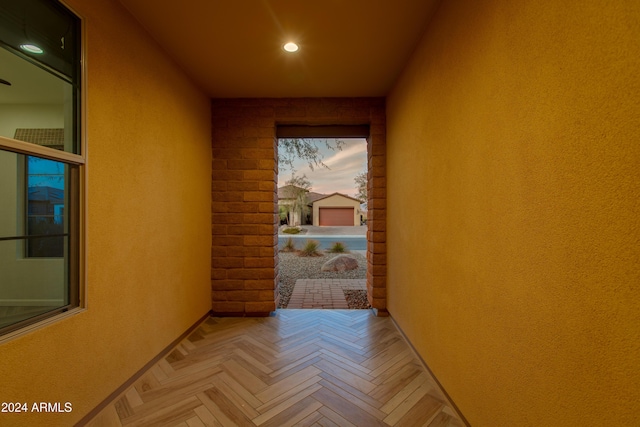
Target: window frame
77	201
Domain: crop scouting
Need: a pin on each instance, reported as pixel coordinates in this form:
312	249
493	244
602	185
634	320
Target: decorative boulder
340	263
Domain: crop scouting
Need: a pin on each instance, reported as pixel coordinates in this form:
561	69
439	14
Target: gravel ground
357	299
292	267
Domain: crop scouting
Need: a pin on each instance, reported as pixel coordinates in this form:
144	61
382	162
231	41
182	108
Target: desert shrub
338	248
310	249
289	246
292	230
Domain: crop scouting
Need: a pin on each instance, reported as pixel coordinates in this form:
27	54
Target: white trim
28	148
82	179
84	154
39	325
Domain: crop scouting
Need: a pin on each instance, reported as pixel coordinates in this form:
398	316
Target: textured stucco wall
513	209
148	228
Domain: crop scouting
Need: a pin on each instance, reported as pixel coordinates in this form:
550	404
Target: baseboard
241	314
380	312
95	411
424	364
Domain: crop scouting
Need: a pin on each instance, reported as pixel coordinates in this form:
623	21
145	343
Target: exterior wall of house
336	201
148	221
513	205
244	192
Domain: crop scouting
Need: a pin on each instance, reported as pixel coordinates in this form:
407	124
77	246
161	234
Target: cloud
352	155
344	166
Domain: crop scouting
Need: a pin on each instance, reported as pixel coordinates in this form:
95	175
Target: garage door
336	216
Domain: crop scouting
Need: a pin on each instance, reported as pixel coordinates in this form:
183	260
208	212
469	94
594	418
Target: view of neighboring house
46	202
336	210
45	214
320	209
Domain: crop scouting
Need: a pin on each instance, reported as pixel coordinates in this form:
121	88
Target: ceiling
29	84
233	48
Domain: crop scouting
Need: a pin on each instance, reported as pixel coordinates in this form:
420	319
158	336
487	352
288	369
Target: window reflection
45	207
34	236
37	106
39	185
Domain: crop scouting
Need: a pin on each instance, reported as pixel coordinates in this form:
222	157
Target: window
41	161
45	181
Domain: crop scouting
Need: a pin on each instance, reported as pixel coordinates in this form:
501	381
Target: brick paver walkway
323	293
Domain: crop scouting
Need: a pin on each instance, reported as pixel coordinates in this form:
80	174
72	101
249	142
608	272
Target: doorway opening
244	250
322	235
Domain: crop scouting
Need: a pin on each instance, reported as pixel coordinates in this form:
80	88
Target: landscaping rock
340	263
291	267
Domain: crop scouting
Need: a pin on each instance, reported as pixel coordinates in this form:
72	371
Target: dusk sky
344	166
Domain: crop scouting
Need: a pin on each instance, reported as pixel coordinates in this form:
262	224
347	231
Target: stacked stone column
244	257
244	273
377	221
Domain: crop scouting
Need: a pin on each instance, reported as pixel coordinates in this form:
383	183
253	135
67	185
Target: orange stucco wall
148	226
513	185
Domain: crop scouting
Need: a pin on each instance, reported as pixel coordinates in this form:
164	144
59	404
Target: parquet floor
299	367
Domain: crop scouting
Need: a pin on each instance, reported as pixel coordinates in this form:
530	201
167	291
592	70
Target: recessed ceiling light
31	48
290	47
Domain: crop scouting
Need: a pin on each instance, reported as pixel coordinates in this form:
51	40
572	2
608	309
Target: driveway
311	231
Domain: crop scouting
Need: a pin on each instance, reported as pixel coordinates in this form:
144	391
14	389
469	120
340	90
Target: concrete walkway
323	293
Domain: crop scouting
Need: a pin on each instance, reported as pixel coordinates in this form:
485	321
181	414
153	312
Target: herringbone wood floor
299	367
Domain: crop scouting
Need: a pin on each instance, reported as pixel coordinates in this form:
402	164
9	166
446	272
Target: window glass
45	207
34	237
39	188
39	73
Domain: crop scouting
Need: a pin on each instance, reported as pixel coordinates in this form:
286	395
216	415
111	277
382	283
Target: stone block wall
244	264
